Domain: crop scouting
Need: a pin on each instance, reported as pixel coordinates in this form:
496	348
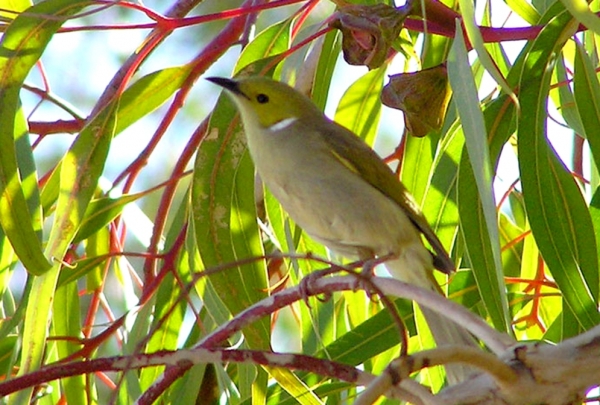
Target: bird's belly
346	214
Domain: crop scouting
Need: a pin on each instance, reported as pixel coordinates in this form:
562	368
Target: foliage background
105	228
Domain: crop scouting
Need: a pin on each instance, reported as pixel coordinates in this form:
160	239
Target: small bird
333	185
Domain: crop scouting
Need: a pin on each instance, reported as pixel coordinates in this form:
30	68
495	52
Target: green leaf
359	109
561	225
10	7
50	191
595	216
217	311
20	48
15	315
8	349
474	35
511	257
224	222
586	90
477	208
496	50
78	270
580	10
330	51
480	249
439	200
100	212
471	118
148	93
294	386
566	100
417	164
97	247
80	171
525	10
374	336
66	306
8	260
272	41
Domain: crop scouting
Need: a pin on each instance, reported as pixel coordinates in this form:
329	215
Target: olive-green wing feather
355	154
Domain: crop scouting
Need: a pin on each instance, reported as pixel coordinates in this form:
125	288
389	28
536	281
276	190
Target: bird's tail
412	268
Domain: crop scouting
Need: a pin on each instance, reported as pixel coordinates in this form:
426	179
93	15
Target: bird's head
267	102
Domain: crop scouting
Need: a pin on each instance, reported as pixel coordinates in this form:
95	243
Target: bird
340	192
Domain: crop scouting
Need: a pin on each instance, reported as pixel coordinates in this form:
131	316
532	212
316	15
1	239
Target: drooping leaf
561	225
423	96
587	97
477	207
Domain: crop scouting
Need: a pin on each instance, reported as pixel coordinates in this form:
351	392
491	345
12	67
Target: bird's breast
335	205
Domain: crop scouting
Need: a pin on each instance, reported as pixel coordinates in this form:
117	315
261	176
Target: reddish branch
179	361
182	359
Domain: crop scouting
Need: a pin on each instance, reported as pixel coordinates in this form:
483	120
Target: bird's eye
262	98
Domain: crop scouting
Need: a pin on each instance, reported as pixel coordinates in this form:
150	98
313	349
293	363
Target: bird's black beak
227	84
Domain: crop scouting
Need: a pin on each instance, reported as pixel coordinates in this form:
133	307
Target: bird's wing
357	156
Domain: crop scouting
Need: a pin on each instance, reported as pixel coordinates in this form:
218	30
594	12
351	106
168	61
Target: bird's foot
307	282
364	278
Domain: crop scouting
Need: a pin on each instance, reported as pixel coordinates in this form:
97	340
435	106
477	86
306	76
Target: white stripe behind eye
283	124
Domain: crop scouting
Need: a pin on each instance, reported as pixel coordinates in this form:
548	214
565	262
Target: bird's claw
306	284
363	279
